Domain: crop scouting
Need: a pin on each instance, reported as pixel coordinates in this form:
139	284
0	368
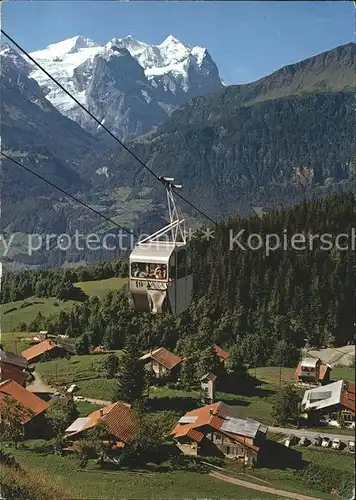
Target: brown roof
165	358
220	352
11	372
13	359
29	400
210	376
347	398
195	435
322	373
118	417
38	349
212	415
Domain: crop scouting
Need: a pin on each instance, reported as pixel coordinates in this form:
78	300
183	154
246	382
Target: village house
162	362
119	420
12	367
33	420
218	429
312	371
336	400
221	354
45	349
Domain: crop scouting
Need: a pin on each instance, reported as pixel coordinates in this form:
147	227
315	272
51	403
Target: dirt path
259	487
38	385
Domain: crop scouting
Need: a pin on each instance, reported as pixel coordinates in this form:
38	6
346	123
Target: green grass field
84	408
83	370
284	478
101	287
95	484
271	374
15	342
14	313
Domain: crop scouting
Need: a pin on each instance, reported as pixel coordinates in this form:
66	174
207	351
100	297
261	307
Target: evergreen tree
131	377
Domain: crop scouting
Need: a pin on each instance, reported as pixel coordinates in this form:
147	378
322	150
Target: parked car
304	441
79	398
351	446
58	395
292	439
317	441
336	444
325	442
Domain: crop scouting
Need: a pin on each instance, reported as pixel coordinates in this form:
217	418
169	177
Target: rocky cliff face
129	85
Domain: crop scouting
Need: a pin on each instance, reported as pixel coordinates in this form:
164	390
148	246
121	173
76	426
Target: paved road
309	434
259	487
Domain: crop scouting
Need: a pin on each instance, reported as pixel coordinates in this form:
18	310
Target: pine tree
131	377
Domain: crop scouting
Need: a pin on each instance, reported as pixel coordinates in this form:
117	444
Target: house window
217	438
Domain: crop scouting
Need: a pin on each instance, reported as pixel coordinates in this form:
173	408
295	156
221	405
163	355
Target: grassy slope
255	401
27	309
91	485
83	370
15	342
101	287
270	374
285	478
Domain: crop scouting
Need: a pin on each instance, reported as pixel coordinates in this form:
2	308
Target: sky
247	40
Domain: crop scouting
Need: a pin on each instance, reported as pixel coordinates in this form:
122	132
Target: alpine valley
276	141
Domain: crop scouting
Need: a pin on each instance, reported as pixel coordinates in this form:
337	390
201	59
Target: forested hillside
274	142
270	154
266	305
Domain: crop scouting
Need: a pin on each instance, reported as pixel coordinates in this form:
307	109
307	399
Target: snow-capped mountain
129	85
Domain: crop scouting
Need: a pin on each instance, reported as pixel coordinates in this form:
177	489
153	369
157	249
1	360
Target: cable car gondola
161	275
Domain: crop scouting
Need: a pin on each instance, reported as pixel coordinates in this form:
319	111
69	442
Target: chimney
101	412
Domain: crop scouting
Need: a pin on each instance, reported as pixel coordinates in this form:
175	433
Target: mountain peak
67	46
170	40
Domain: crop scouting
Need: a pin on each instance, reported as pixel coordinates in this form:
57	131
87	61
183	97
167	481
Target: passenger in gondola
159	272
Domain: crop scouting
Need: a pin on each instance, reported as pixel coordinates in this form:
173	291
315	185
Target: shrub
16	484
327	479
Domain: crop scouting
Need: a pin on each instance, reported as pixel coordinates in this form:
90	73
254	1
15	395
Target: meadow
14	313
93	483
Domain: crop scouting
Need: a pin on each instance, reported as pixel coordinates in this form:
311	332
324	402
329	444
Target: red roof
10	372
220	352
118	417
38	349
29	400
212	415
164	357
195	435
322	373
347	398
